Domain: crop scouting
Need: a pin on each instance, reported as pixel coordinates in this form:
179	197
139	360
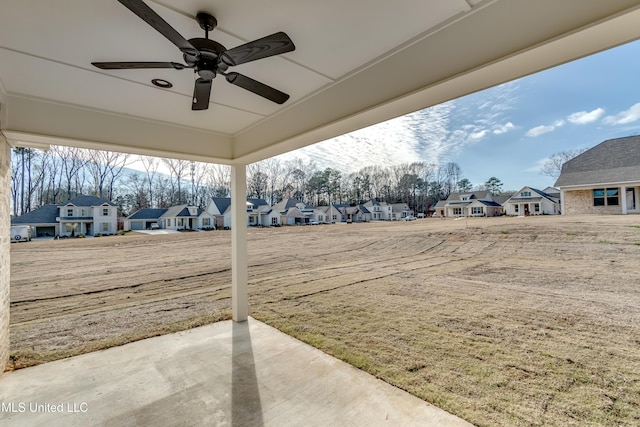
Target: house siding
5	177
581	202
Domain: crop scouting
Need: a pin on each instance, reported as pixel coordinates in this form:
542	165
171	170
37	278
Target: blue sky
506	131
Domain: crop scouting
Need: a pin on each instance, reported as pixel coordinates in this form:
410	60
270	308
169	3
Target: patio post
623	199
5	242
239	264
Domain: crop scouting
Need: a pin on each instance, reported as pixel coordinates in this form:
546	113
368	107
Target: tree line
61	173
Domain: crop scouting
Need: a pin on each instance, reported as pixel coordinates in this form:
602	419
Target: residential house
604	179
380	211
44	220
355	213
143	219
258	211
332	214
529	201
476	203
400	211
82	215
287	212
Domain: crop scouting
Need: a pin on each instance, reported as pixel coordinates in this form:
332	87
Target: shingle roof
222	203
612	161
471	194
147	213
87	201
46	214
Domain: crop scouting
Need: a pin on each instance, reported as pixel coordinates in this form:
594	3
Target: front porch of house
223	374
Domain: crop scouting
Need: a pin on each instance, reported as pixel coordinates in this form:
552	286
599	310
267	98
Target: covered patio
354	65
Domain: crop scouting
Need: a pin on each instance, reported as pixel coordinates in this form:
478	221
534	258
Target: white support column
623	199
5	199
562	211
239	263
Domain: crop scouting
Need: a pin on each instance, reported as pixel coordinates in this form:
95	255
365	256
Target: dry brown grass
502	321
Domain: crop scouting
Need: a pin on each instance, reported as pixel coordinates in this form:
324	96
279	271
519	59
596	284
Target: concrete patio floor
223	374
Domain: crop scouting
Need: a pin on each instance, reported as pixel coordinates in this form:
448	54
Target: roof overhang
355	65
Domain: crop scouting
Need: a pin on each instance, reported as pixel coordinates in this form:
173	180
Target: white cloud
539	130
478	135
542	129
584	117
624	117
504	128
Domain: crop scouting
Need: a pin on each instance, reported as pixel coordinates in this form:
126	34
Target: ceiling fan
209	58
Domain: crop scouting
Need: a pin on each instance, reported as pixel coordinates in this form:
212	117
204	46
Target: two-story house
82	215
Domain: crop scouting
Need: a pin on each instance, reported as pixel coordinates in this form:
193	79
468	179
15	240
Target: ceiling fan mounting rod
207	22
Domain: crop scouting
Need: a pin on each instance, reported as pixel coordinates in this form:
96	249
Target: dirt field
502	321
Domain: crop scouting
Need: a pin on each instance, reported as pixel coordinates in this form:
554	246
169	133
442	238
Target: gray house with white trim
603	180
82	215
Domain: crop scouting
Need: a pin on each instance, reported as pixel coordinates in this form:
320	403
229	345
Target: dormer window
464	198
69	211
525	194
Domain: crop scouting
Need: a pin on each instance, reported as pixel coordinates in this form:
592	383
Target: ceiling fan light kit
208	58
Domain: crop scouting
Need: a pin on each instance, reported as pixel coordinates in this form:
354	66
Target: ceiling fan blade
152	18
133	65
275	44
201	94
256	87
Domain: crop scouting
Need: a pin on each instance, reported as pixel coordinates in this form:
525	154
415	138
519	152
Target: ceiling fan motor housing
208	63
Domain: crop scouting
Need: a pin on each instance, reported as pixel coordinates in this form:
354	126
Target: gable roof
285	205
612	161
147	213
180	211
87	201
46	214
472	195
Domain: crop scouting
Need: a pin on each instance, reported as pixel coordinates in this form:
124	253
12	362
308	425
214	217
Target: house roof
46	214
610	162
87	201
147	213
470	194
222	203
284	205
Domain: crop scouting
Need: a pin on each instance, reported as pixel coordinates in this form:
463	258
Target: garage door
137	225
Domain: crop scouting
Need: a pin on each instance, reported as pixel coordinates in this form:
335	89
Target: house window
70	212
464	198
457	211
605	197
105	227
105	212
525	194
516	208
274	220
477	210
206	222
536	207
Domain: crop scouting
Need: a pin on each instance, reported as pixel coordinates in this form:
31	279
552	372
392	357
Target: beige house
603	180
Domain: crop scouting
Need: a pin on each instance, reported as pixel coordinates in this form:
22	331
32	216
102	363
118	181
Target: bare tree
150	165
177	169
218	180
553	165
105	167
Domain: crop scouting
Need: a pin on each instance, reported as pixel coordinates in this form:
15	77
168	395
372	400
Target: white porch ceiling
356	63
